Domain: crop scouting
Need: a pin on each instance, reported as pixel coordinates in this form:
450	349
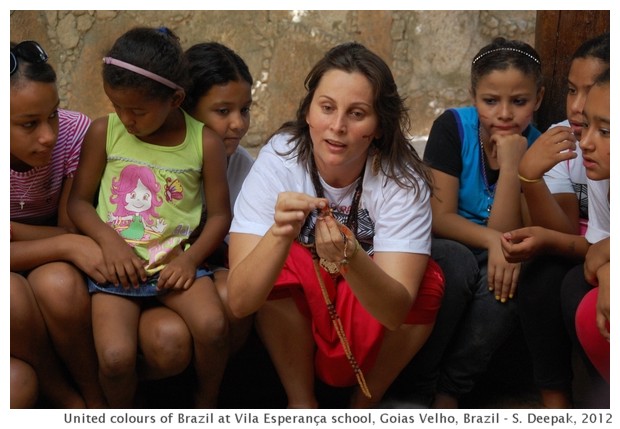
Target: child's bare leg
238	329
65	303
165	343
24	384
115	327
201	309
287	336
397	349
31	344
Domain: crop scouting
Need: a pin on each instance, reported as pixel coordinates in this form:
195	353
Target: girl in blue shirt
474	153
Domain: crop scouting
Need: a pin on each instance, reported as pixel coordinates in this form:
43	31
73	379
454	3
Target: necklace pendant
21	205
333	268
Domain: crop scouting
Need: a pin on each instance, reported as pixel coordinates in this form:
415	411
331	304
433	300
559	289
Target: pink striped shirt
35	193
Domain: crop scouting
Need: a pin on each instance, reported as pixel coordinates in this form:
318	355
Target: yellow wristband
526	180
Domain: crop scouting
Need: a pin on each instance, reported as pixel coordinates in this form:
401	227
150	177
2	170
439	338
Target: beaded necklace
490	189
351	221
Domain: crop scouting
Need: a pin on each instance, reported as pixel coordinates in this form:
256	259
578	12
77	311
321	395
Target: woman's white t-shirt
401	222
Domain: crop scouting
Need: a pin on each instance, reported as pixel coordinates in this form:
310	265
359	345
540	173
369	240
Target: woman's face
506	101
226	110
343	124
34	124
581	76
594	141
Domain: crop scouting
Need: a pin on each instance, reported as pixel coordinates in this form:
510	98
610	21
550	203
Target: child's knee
169	347
24	384
211	328
61	289
22	302
117	360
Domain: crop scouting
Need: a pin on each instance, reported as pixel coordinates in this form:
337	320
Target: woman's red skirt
298	280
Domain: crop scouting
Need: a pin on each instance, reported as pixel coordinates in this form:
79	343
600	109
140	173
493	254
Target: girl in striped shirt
50	304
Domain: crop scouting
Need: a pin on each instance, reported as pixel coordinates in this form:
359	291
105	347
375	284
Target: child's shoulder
98	127
210	137
100	122
463	114
199	129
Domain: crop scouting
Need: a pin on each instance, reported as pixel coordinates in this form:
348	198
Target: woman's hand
555	145
291	211
330	241
502	276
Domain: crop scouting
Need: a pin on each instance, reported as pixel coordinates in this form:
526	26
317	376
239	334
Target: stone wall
429	51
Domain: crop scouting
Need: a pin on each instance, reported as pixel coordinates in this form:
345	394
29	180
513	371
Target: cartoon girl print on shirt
135	194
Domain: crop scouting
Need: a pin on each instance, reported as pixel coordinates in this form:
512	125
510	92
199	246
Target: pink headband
141	71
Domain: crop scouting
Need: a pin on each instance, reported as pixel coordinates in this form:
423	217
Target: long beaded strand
331	308
351	223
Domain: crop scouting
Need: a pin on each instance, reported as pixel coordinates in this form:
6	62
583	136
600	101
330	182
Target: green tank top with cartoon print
150	194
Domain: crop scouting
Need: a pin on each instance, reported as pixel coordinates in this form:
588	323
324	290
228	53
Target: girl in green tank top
151	167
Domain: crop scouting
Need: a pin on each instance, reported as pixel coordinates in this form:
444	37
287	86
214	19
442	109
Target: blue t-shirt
456	132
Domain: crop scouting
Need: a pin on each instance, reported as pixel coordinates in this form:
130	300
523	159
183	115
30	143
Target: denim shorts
145	289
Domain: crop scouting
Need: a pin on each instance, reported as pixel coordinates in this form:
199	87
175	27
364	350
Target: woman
332	233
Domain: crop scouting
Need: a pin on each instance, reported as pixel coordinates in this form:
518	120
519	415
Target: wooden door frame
558	34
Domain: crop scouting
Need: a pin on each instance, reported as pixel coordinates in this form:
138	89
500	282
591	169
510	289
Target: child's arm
597	256
122	265
35	245
23	231
506	211
559	212
525	243
180	272
602	302
64	221
78	249
447	223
